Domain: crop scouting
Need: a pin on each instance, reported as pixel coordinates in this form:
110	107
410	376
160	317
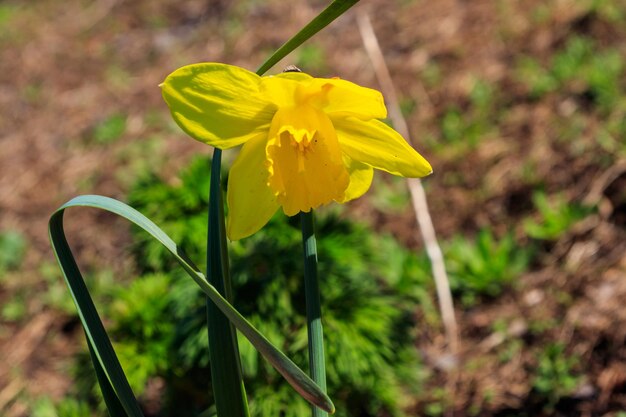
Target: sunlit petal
378	145
348	99
361	176
281	89
218	104
251	203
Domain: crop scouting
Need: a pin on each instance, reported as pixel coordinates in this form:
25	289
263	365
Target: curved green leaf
228	386
96	334
332	12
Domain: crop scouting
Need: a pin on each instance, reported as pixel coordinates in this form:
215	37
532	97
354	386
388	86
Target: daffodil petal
361	176
292	75
218	104
348	99
378	145
251	203
337	98
281	89
305	163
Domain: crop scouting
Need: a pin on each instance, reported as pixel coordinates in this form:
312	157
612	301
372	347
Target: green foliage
613	11
138	311
370	289
311	59
557	215
390	194
466	126
431	74
12	250
482	267
45	407
482	96
138	158
538	80
110	129
440	402
15	308
179	210
580	69
612	134
7	14
458	126
555	376
56	295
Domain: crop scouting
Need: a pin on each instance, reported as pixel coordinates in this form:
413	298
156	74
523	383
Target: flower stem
228	387
313	307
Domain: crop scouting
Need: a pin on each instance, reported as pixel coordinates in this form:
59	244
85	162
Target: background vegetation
521	108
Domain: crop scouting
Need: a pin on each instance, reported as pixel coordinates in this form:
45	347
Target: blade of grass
313	308
118	396
114	406
228	386
96	334
327	16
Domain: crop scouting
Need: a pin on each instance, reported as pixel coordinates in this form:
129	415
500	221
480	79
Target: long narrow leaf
332	12
315	330
228	386
96	333
100	346
115	407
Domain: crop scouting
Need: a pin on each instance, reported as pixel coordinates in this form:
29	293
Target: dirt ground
68	66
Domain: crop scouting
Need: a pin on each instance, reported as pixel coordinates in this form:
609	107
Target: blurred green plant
465	126
484	266
56	295
12	250
7	12
538	80
557	215
311	58
555	376
390	194
539	326
136	159
15	308
371	288
431	74
138	310
110	129
439	403
581	69
67	407
612	134
458	126
613	11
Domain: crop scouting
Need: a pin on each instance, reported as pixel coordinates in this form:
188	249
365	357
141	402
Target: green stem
333	11
228	387
313	307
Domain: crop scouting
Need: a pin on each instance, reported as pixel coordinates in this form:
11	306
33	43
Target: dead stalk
418	196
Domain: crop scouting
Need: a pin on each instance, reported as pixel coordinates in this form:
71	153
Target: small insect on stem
292	68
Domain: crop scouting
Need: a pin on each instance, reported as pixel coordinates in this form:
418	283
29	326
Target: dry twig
418	196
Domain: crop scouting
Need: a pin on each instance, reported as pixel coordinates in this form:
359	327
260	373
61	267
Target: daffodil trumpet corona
306	141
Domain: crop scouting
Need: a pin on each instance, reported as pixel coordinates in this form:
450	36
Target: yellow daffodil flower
307	141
